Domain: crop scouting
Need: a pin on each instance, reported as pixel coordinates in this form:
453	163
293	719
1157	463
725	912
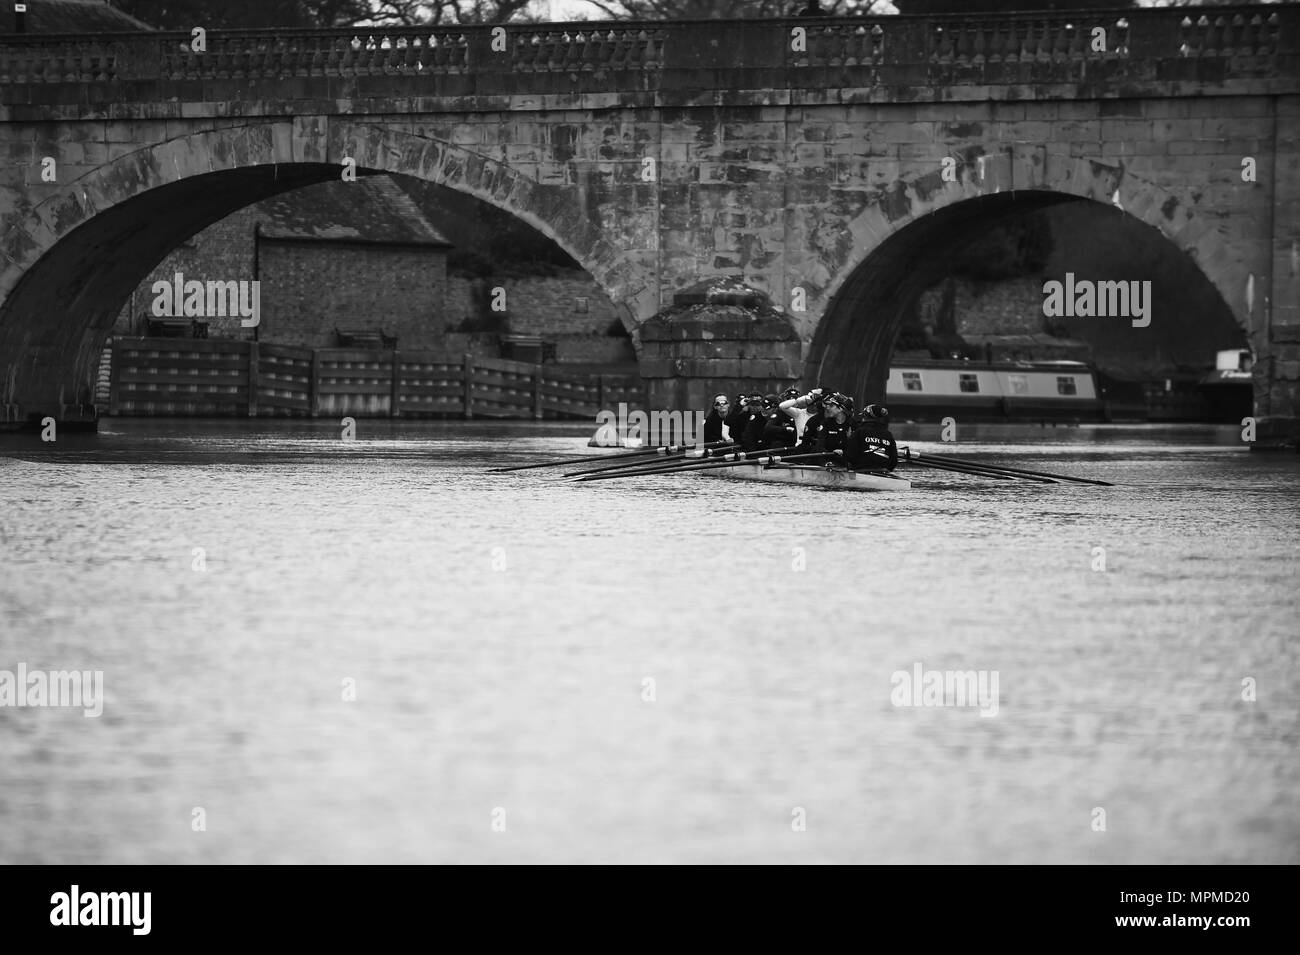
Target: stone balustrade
1239	42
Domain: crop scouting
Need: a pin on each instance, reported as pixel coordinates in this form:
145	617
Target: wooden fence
218	378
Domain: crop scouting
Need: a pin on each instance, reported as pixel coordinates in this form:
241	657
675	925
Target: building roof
70	16
372	209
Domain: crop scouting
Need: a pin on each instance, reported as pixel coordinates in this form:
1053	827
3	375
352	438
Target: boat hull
813	476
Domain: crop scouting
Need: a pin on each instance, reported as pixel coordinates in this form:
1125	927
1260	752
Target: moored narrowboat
929	389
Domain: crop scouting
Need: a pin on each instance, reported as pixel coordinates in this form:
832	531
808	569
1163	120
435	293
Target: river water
317	650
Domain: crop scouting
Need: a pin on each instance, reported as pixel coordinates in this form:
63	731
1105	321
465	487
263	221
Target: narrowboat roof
949	364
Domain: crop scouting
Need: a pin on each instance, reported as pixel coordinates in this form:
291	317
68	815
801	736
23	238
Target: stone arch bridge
828	163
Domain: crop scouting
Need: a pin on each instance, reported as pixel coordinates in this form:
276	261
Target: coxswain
751	424
715	427
871	447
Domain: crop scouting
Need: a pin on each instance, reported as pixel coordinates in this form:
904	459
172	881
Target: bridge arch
899	240
69	265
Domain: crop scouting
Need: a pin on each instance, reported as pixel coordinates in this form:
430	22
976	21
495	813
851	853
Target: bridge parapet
1210	45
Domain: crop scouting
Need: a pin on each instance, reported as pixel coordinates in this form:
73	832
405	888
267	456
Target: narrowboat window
911	381
968	383
1066	386
1019	384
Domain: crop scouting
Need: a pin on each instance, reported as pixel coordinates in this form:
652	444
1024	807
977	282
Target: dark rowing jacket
752	439
779	430
871	448
751	430
735	422
811	428
824	434
713	426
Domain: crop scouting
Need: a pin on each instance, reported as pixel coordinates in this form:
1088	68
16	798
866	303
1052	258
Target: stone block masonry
390	289
545	305
309	289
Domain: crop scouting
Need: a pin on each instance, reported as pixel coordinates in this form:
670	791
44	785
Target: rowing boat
813	476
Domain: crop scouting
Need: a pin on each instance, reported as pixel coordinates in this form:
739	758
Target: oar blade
1006	469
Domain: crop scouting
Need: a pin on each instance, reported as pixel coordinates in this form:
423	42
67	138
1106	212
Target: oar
680	457
976	471
999	467
643	467
629	465
663	467
644	452
752	457
915	459
970	467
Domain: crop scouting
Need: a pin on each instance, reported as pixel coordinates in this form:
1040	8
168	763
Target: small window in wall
911	381
968	383
580	305
1065	385
1018	384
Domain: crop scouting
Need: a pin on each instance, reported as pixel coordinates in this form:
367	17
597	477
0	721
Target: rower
800	408
715	428
829	431
837	411
750	426
812	426
818	411
871	446
755	436
734	419
779	429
